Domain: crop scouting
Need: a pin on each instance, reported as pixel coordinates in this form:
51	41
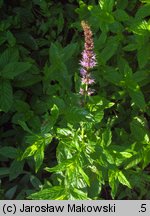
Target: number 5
143	207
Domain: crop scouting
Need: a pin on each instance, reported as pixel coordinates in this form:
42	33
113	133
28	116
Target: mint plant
74	99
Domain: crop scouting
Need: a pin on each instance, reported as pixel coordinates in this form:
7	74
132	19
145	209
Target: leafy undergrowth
54	146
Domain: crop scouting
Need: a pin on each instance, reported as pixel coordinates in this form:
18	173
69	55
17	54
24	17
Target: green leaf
24	126
30	151
4	171
68	51
106	5
35	182
143	11
51	120
61	166
112	75
27	80
74	114
54	193
113	182
54	112
2	38
137	97
60	23
16	169
126	154
77	194
140	76
106	137
121	15
21	106
110	49
10	38
54	55
11	192
15	68
139	130
122	4
64	131
9	55
85	177
130	47
133	161
136	94
98	116
123	180
26	39
143	55
6	95
146	158
38	157
9	152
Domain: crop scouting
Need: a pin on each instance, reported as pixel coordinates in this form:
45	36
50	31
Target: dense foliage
54	143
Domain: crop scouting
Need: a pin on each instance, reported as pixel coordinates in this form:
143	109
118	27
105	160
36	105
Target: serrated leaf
35	181
130	47
30	151
64	131
139	131
123	180
10	38
98	116
54	193
4	171
77	194
11	192
26	39
110	49
61	166
2	38
143	55
141	77
27	80
133	161
84	175
6	95
60	23
138	98
68	51
38	158
121	15
113	182
75	114
106	137
24	126
113	76
51	120
143	11
136	94
21	106
15	68
16	169
9	152
146	158
9	55
106	5
122	4
54	112
54	55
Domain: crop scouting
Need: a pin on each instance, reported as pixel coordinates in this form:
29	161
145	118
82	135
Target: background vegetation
51	146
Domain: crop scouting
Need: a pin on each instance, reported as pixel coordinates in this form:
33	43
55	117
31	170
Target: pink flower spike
83	72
